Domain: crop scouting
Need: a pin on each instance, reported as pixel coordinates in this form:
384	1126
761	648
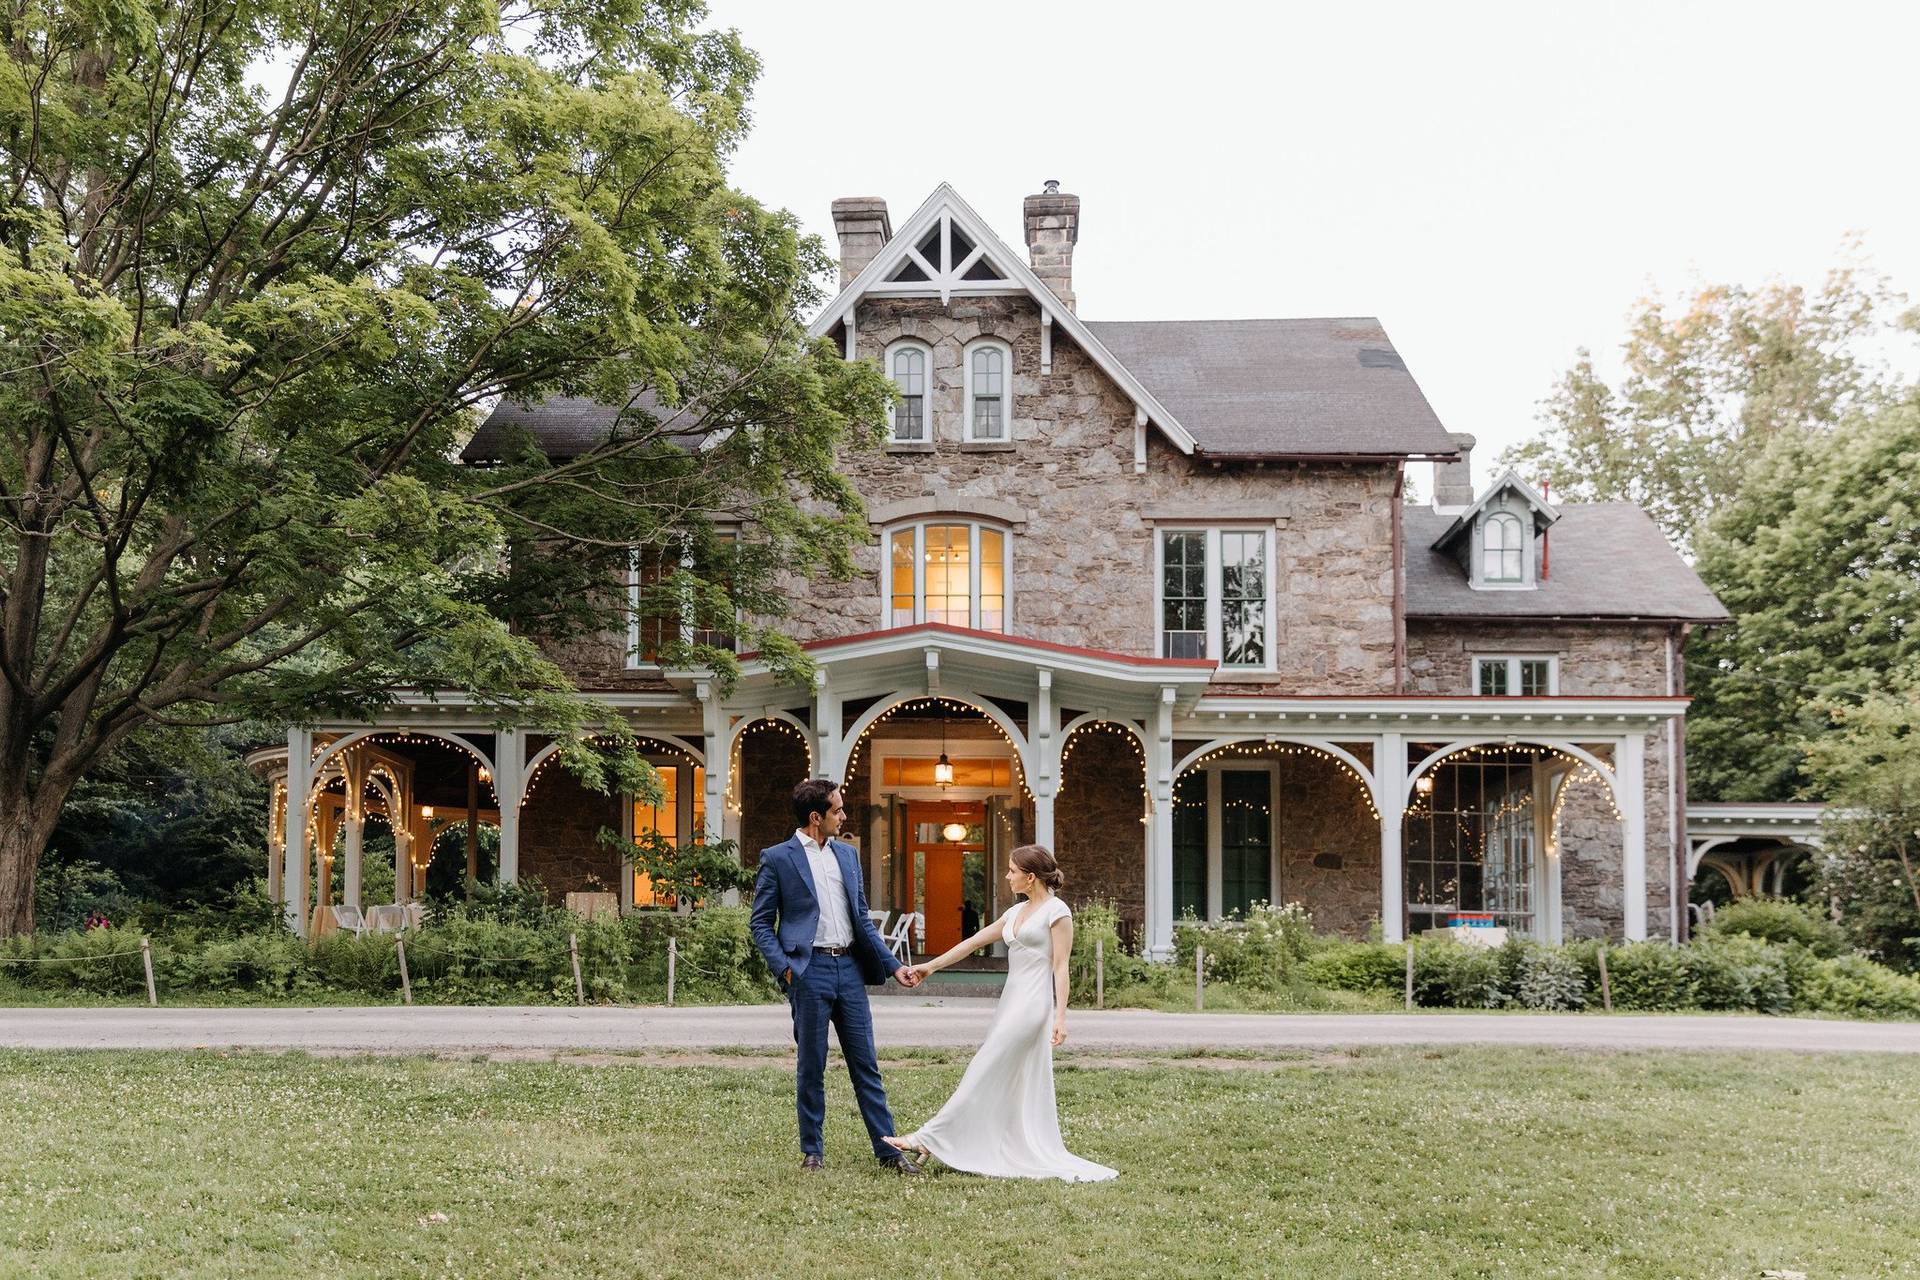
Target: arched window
956	572
989	386
909	364
1504	541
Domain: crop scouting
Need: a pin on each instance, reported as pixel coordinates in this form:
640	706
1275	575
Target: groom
823	952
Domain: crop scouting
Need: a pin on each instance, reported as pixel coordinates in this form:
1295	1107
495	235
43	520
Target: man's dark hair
815	795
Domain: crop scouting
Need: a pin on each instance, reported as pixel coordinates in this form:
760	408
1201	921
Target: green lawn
1397	1163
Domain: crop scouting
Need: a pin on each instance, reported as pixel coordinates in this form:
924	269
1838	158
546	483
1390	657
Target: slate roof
1605	560
564	426
1281	388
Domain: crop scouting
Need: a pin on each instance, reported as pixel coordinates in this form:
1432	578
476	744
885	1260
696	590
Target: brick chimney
864	229
1453	481
1053	228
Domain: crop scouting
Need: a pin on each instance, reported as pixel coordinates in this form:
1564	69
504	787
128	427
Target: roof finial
1052	186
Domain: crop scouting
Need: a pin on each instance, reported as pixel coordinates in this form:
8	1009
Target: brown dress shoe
813	1164
902	1165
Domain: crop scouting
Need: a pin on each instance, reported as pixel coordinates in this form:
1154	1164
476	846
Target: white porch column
1160	834
1046	751
509	785
400	817
1389	796
355	768
826	730
299	784
1630	777
714	793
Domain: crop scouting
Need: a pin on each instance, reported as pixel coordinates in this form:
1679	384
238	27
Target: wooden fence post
673	963
1099	973
1409	975
1606	983
406	983
146	960
1199	979
573	949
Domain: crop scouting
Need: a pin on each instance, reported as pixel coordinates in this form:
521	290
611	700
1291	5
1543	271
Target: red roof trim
1452	697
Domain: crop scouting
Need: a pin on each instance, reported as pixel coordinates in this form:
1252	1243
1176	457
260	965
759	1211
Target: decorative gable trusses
946	251
1496	539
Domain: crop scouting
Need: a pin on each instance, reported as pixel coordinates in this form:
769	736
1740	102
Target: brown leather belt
832	951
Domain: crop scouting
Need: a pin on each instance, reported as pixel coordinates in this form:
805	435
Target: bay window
955	572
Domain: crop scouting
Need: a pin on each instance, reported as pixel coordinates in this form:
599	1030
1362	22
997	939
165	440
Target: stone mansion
1148	592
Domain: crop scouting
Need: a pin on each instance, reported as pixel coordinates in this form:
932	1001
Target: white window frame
1216	899
1513	661
1525	549
634	661
973	527
1006	389
1215	600
926	395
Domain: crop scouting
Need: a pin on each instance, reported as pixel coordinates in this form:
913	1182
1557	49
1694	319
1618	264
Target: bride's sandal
906	1144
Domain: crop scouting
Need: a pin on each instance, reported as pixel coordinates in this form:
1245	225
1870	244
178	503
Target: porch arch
738	730
444	735
1337	752
540	757
1579	753
857	732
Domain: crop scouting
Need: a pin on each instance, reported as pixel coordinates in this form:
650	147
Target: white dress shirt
835	928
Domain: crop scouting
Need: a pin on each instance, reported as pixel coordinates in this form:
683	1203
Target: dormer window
1504	540
908	364
988	366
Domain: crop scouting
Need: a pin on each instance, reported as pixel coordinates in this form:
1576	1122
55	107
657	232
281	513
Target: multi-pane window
1183	595
1246	839
987	370
1504	542
680	818
956	573
1190	844
1514	676
662	608
1216	596
908	365
1471	843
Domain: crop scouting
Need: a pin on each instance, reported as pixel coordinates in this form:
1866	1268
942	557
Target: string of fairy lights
945	704
1268	749
731	801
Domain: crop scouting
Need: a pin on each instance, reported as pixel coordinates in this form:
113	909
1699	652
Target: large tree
262	264
1707	384
1818	558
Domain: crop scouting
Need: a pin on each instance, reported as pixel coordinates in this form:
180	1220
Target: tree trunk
26	824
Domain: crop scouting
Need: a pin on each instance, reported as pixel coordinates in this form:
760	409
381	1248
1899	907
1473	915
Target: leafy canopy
262	266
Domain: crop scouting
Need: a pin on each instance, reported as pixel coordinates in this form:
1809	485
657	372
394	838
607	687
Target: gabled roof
945	204
570	426
1607	560
1328	387
1544	512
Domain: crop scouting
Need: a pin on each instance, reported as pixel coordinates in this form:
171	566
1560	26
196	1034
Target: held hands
908	976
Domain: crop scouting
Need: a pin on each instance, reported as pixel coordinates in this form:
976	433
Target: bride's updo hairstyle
1035	860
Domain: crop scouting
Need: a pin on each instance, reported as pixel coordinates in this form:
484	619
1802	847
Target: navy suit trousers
830	991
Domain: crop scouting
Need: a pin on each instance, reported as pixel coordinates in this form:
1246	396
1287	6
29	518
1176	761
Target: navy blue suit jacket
786	913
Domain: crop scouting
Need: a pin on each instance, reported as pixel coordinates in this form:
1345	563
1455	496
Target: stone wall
1595	658
1329	845
560	825
1083	554
772	764
1592	900
1099	839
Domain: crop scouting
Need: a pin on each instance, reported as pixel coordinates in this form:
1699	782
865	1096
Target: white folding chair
347	919
390	918
900	941
879	917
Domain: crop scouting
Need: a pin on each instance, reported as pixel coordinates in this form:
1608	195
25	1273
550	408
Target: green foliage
1780	921
1708	385
245	335
693	873
1261	952
1859	988
1817	558
1357	966
1550	980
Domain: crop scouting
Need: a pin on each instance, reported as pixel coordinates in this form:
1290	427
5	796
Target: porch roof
1737	820
987	661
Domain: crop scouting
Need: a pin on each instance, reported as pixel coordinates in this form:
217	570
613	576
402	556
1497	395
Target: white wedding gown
1002	1121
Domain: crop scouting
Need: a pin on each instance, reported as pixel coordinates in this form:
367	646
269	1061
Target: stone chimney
863	227
1053	228
1453	481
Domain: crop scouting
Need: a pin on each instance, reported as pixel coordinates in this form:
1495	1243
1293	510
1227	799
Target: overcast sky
1497	183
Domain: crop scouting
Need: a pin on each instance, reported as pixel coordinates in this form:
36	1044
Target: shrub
1550	979
1856	986
367	964
1649	976
1356	966
1259	953
1738	973
718	960
1449	974
1781	921
268	962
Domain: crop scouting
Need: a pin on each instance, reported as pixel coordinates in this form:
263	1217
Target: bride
1001	1121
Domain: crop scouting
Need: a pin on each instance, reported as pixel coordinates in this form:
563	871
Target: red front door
940	863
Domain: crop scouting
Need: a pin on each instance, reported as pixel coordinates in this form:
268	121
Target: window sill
987	446
909	446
